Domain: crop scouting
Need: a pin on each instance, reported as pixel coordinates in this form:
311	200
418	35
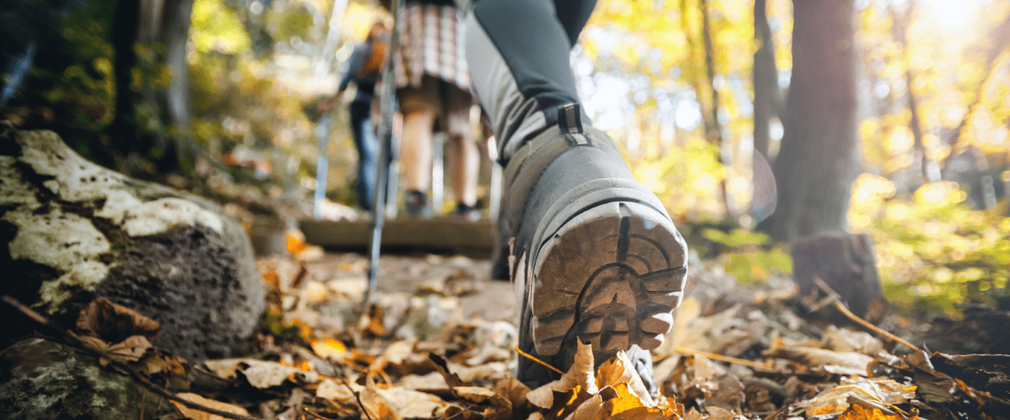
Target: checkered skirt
431	42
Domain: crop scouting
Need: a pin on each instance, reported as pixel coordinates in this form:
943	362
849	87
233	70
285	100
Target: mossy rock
72	231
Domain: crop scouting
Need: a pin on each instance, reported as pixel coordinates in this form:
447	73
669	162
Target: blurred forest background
883	116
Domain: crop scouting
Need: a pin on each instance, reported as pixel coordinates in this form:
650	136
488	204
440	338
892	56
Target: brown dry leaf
592	409
260	374
693	415
857	412
413	404
458	413
716	413
626	399
478	395
621	370
394	354
845	340
200	415
372	323
490	371
442	366
341	394
877	392
330	349
433	382
580	376
840	363
114	323
130	350
372	402
514	390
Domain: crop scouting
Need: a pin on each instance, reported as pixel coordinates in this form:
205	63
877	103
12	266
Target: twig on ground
722	358
35	316
837	304
530	356
357	395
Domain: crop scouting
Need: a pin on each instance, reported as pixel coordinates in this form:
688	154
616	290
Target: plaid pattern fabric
431	42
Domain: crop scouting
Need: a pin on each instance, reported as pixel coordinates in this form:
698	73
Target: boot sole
611	275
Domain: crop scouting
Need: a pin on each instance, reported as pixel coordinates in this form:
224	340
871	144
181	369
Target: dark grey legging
518	53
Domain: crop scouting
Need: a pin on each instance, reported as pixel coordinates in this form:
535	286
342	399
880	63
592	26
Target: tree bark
816	165
713	129
766	89
162	133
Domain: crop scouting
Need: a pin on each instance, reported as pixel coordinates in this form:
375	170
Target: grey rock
75	231
42	379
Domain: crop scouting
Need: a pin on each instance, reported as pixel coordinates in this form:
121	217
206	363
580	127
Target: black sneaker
595	253
465	212
416	204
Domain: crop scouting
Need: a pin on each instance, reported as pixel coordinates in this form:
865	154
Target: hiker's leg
419	106
517	51
596	257
463	154
367	145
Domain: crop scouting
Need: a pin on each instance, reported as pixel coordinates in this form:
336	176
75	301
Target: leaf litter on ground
736	352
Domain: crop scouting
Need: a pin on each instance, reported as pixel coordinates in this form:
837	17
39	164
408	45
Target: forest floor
438	340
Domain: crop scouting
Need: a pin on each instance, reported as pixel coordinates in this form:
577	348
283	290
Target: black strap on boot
524	169
570	122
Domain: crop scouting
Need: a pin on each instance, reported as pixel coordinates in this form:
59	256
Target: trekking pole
323	132
387	152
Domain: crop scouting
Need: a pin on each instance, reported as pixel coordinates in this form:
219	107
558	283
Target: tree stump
847	264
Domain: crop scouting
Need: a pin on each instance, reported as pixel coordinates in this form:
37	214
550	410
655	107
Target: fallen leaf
716	413
374	405
342	394
846	363
195	414
330	349
459	413
621	370
260	374
432	382
481	396
130	350
410	404
846	340
877	392
580	376
857	412
592	409
114	323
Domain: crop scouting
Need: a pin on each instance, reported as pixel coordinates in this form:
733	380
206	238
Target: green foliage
289	22
685	178
215	27
751	256
73	75
932	249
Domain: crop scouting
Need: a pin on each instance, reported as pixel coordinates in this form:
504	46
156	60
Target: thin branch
855	318
721	358
531	357
357	395
74	339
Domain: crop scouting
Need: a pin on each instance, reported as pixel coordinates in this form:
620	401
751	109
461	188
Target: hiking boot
595	256
415	204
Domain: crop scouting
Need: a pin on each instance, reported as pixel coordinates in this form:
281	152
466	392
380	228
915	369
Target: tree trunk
816	164
161	132
766	85
713	129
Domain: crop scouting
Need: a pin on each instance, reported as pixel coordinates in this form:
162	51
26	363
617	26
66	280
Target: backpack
376	54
